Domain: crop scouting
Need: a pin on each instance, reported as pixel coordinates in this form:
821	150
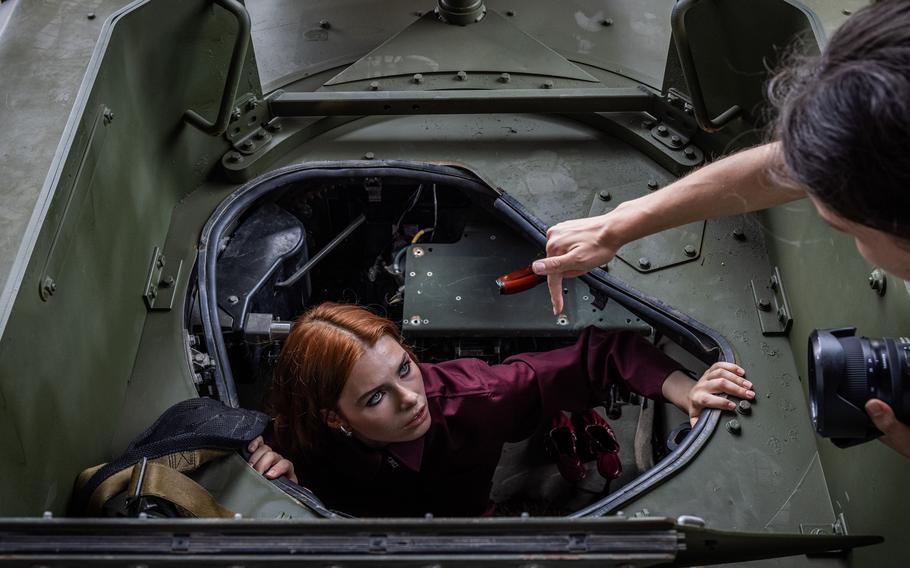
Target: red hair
317	358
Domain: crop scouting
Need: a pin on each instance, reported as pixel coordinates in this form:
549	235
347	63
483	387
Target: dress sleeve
529	387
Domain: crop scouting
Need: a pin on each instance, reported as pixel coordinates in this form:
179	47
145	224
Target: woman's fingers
283	467
258	456
726	385
713	401
254	445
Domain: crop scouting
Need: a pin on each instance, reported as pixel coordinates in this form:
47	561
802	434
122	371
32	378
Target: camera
845	371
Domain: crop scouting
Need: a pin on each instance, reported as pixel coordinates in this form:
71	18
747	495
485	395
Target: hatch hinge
837	528
771	304
161	282
250	128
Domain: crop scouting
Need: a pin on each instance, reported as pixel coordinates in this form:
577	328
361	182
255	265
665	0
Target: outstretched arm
733	185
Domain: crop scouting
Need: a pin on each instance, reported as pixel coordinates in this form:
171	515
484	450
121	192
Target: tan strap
117	483
165	483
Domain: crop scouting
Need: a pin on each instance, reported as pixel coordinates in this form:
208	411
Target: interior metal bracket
771	304
161	282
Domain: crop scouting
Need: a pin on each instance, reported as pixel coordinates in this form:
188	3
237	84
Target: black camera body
845	371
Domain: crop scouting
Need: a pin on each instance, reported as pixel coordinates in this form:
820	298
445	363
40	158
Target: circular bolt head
644	262
457	298
234	157
739	234
324	24
781	315
369	156
233	300
652	184
690	153
675	139
510	13
662	130
846	12
604	195
418	251
235	114
461	76
764	305
246	145
734	427
418	78
606	22
744	407
90	15
252	104
547	84
374	86
504	77
562	320
689	250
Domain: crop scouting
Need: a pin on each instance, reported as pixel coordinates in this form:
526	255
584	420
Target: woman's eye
404	369
375	398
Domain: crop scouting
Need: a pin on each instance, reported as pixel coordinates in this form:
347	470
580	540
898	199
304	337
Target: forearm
737	184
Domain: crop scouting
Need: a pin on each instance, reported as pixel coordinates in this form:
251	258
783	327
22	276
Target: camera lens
845	371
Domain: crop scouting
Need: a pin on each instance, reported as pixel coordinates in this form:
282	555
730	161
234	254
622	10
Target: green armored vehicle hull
184	178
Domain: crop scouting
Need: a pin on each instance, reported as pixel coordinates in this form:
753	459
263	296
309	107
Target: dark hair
844	119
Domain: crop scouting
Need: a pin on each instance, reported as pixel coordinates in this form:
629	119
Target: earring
345	431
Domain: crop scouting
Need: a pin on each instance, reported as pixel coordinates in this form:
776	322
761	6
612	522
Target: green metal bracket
771	304
241	44
161	282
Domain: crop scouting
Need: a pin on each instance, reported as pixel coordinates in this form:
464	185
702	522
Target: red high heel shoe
599	443
562	445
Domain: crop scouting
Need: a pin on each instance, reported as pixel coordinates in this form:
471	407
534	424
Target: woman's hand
573	248
720	378
269	463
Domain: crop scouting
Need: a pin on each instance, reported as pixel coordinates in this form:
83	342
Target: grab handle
220	125
681	38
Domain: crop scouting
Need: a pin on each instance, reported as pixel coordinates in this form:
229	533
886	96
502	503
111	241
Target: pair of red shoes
584	438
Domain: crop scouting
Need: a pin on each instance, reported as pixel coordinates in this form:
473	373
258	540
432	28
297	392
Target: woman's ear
331	418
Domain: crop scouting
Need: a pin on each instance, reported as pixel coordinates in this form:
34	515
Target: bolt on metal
604	195
675	139
662	130
233	299
744	407
644	262
369	156
690	250
690	153
505	77
547	85
734	427
374	86
739	234
325	24
418	78
764	305
606	22
461	76
652	184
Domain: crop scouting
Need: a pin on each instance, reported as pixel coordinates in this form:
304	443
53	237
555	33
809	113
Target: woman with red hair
373	432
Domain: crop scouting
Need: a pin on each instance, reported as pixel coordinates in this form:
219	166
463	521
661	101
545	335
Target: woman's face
383	400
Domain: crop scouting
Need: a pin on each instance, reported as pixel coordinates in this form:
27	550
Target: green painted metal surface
84	366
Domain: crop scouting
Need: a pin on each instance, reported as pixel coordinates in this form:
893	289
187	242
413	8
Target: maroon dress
475	408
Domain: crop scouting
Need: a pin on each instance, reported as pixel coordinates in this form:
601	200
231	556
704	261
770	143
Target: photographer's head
844	127
343	370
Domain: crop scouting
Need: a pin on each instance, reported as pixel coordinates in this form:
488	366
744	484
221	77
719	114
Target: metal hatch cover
492	45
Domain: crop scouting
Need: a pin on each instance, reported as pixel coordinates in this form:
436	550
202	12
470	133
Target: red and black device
518	281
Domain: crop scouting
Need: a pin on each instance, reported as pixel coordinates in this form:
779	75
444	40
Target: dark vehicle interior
425	255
